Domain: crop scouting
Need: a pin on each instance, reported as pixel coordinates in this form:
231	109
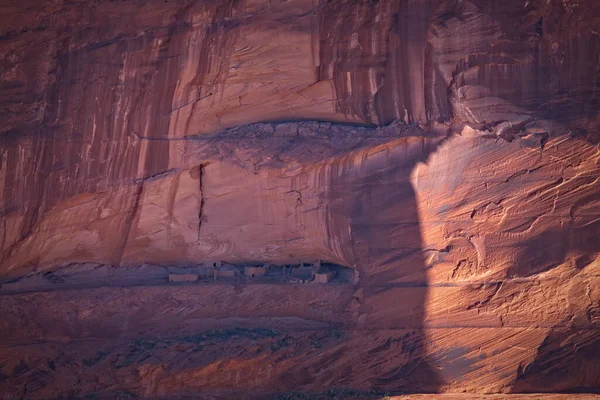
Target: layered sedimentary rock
446	151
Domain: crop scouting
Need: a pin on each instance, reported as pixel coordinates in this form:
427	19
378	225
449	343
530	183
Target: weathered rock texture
465	193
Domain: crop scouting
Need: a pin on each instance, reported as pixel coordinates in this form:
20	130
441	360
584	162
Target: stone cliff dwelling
206	273
300	199
178	278
256	270
314	272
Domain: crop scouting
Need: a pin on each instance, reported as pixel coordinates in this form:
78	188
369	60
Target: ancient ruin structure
439	157
179	278
256	270
324	276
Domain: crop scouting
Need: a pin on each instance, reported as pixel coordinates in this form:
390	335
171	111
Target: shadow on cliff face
552	247
372	203
568	359
373	226
374	200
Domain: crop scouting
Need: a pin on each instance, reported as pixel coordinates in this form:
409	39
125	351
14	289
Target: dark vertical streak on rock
171	205
2	242
217	45
201	191
406	78
38	158
35	161
164	81
139	191
354	61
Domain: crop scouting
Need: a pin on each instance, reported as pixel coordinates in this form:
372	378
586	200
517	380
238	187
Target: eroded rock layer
446	151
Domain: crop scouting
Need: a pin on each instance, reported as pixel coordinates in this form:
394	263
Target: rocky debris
445	150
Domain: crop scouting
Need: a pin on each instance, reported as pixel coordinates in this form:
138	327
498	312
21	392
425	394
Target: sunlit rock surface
446	151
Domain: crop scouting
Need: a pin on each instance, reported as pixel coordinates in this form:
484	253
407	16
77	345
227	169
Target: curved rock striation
446	151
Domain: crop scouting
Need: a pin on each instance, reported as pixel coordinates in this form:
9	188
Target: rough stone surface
445	150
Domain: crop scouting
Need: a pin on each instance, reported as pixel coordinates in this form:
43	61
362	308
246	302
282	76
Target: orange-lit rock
445	151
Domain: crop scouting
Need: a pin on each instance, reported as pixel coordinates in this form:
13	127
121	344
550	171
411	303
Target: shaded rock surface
446	151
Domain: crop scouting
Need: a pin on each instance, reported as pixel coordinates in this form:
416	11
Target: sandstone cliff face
445	150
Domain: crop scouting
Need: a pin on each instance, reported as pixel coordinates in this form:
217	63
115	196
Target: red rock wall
146	132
